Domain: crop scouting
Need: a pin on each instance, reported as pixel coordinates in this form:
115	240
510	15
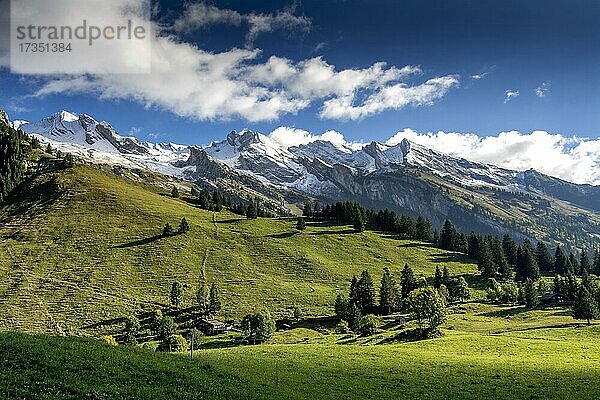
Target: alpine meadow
149	250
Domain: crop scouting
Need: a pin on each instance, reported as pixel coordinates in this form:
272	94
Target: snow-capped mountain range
257	155
408	177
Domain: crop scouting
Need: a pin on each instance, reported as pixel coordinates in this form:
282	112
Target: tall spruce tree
596	265
448	236
527	267
584	263
544	258
388	293
437	279
560	262
510	250
503	267
585	306
214	302
251	212
424	231
574	267
176	295
353	293
486	264
408	282
366	292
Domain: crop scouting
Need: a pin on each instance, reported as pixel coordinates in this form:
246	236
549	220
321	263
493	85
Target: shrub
367	325
342	327
258	326
110	340
427	306
173	343
151	346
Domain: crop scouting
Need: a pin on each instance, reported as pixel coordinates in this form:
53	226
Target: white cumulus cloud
543	89
510	95
290	136
239	83
571	158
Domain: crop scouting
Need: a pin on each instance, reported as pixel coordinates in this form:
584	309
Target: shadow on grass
332	232
216	344
140	242
507	312
318	322
230	220
284	235
408	335
537	328
451	257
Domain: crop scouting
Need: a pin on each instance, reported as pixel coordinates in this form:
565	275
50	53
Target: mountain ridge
407	177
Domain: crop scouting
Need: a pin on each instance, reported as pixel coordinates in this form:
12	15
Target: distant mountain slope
407	177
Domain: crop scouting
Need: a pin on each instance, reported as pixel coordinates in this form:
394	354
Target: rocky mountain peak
4	117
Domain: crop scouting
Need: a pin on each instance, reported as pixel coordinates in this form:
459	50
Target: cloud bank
289	137
570	158
240	83
573	159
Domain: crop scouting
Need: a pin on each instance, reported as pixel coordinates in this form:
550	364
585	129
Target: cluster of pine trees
497	258
352	213
217	201
14	149
362	300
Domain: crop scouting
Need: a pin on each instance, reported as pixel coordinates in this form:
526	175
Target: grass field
80	246
540	354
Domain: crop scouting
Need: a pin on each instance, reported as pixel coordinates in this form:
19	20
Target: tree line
426	304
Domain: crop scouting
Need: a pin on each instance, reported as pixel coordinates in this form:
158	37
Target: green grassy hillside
538	354
80	246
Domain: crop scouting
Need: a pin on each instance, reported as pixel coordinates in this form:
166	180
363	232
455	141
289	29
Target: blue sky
516	46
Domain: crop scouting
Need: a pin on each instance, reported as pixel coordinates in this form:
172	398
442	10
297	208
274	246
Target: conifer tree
473	245
527	267
531	294
342	307
353	293
168	230
574	267
388	294
251	212
585	306
365	292
560	262
359	222
503	267
448	236
408	283
486	264
175	192
423	230
214	303
203	298
301	224
510	250
596	265
183	226
584	262
176	295
445	276
437	279
544	258
307	211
